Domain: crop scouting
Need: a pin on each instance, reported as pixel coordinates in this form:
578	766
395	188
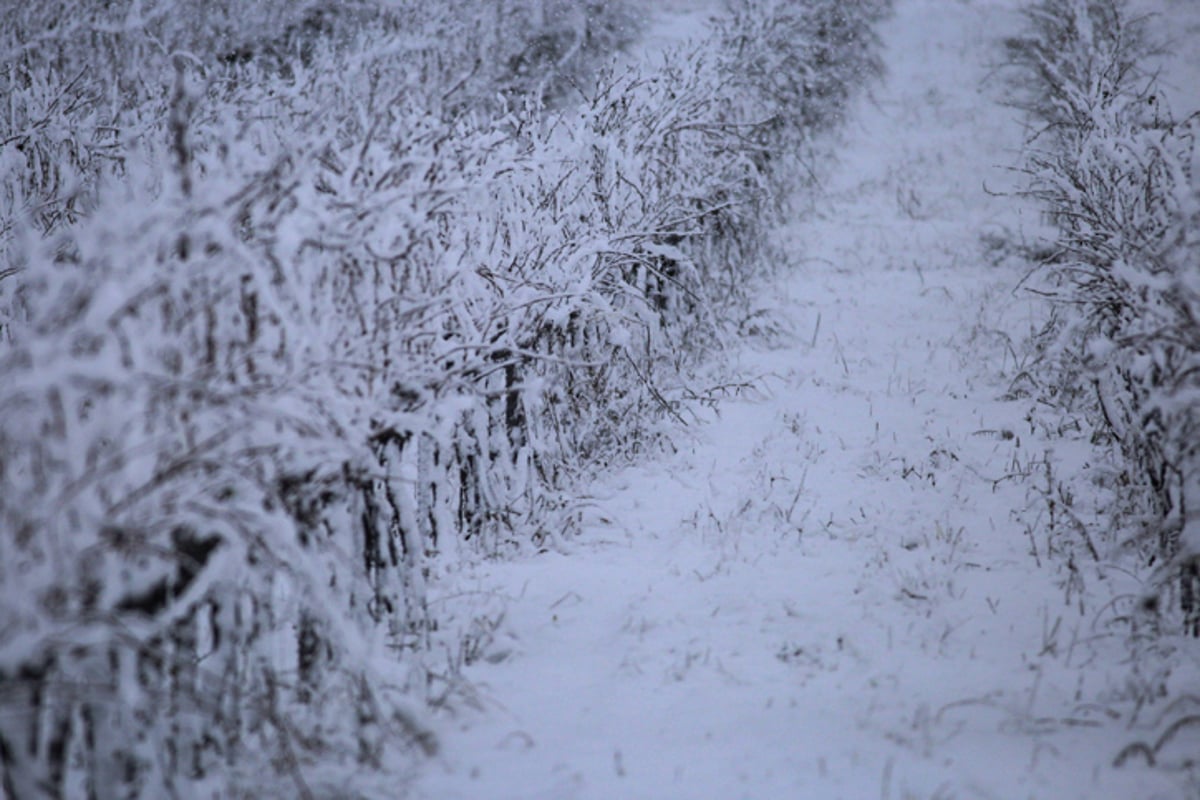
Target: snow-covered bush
565	42
1118	175
795	66
82	81
340	307
178	606
653	207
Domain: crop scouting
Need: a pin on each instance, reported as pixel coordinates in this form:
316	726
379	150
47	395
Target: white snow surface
829	590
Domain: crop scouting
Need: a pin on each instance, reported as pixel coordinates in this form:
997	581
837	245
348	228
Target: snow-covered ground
837	587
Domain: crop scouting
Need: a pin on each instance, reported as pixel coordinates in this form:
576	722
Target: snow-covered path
830	590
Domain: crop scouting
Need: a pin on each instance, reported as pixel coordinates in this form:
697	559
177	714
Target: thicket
1119	174
298	310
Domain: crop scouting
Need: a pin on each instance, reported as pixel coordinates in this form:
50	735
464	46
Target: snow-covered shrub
795	66
84	80
245	407
1118	175
81	79
168	389
566	41
334	316
633	210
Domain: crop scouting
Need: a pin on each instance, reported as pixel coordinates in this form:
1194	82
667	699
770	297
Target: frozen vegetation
580	399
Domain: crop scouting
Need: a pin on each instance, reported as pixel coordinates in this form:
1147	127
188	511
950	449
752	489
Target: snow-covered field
840	585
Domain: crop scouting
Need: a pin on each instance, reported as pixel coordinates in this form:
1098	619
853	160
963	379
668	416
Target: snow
836	588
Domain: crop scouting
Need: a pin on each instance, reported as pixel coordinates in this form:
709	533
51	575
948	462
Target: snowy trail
829	592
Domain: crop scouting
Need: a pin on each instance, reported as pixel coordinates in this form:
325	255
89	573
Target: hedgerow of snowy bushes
297	313
1120	176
